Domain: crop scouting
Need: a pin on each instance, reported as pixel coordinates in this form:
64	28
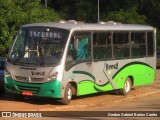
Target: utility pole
98	10
46	3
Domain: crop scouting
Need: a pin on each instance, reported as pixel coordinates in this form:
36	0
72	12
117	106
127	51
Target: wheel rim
127	86
69	93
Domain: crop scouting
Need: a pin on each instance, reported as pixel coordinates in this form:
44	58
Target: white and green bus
59	60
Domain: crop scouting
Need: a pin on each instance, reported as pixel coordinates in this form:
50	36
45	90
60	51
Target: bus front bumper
48	89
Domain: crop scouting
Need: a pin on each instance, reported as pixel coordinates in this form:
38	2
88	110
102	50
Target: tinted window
120	38
150	43
138	44
102	46
138	37
121	45
121	51
138	50
101	38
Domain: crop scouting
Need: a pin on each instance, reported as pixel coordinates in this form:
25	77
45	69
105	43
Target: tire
66	100
127	87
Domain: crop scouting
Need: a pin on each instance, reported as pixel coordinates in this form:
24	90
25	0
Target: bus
67	58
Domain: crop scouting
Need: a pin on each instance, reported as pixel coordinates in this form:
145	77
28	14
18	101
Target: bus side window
71	52
150	43
79	49
121	45
138	46
102	46
82	50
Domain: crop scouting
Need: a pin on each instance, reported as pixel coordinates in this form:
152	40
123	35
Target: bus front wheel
67	95
127	87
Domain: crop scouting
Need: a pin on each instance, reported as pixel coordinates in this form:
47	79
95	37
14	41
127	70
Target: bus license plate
28	93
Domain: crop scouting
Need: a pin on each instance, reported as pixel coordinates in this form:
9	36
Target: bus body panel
109	75
33	79
51	89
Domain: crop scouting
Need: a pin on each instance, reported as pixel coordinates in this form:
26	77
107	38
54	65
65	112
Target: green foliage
151	9
15	13
81	10
125	11
131	16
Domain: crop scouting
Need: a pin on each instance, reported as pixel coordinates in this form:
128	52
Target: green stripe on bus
142	74
130	64
88	87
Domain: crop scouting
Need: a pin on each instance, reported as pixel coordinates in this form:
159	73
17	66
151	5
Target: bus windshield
38	46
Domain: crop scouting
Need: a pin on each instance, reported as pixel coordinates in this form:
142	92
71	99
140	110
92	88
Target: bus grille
35	90
32	80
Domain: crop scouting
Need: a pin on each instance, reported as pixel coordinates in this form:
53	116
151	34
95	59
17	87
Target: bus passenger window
150	43
121	45
138	37
102	46
138	44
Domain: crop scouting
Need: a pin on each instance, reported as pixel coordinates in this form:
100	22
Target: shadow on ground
53	101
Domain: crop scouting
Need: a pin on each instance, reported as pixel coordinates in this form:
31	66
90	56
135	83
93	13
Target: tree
151	9
80	10
87	10
15	13
131	16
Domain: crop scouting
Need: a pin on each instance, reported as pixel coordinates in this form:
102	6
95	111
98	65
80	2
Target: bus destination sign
47	34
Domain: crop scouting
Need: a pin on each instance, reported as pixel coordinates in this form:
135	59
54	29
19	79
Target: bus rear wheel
127	87
67	95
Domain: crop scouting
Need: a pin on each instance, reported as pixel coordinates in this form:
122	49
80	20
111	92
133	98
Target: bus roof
91	26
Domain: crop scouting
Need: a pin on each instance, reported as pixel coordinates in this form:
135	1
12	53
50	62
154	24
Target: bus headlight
52	77
7	73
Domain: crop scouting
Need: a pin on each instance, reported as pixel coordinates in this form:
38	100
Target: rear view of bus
34	63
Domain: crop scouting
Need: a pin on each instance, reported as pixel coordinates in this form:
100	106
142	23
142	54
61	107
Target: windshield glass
38	46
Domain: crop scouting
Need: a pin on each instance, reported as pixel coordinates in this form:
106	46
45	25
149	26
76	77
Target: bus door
78	62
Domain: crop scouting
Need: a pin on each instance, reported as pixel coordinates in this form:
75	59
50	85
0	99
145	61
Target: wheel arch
74	87
132	79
